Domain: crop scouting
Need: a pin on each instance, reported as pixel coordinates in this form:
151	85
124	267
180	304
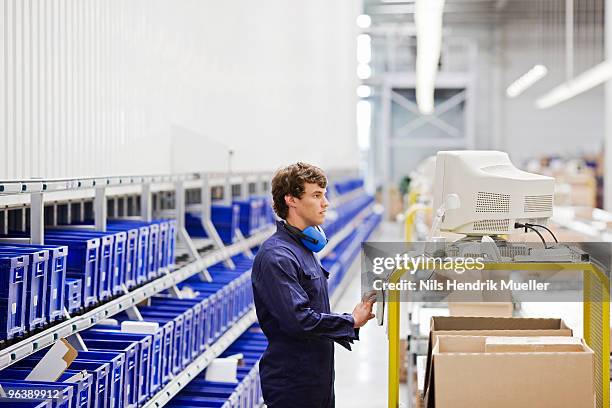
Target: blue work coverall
292	303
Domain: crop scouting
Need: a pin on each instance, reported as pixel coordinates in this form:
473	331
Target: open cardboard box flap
491	326
54	362
462	377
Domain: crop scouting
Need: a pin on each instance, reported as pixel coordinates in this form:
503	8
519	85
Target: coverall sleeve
280	290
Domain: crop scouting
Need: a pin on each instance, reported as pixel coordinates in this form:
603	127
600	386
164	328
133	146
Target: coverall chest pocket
313	282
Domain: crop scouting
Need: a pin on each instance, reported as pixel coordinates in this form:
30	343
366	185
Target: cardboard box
490	326
481	309
419	403
545	344
462	377
403	376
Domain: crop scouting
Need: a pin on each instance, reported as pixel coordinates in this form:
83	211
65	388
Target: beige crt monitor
487	194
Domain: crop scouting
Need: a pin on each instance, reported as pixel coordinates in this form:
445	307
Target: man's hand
363	312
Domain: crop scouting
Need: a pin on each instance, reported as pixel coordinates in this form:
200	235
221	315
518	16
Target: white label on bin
55	293
14	308
89	281
35	301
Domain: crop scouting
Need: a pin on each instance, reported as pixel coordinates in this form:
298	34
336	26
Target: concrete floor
361	374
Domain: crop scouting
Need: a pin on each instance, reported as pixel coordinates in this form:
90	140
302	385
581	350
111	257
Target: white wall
279	86
112	87
76	85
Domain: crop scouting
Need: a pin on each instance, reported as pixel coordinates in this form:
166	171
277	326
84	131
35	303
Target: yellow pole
413	196
393	307
596	298
394	353
409	217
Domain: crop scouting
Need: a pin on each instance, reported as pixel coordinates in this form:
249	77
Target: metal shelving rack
153	195
34	195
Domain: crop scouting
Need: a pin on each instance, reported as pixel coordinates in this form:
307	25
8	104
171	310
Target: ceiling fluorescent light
526	80
364	71
364	21
364	91
428	20
364	49
589	79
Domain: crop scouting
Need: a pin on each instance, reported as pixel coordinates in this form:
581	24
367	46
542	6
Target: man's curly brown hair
290	180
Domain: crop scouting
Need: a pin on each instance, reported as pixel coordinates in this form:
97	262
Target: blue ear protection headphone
313	238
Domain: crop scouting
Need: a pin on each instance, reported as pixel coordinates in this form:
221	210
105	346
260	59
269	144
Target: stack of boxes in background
577	179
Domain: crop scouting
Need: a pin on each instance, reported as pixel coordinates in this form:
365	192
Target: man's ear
290	201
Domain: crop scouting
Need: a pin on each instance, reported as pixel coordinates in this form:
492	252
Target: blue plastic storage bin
190	325
116	360
13	283
144	342
130	258
164	241
24	403
155	351
131	375
171	244
178	343
105	269
83	382
101	371
209	317
56	275
81	386
61	393
223	294
248	219
119	264
98	370
73	294
245	394
163	366
153	250
36	288
196	305
144	263
82	262
225	219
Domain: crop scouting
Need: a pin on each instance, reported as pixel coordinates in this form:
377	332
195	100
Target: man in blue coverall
292	302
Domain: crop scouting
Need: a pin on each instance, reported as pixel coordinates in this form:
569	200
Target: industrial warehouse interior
315	204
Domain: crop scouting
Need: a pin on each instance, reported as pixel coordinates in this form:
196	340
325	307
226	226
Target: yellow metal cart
596	321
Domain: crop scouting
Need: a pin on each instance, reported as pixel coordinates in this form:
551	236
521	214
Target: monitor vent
492	225
538	203
492	202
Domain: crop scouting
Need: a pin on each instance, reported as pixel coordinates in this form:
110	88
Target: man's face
311	208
